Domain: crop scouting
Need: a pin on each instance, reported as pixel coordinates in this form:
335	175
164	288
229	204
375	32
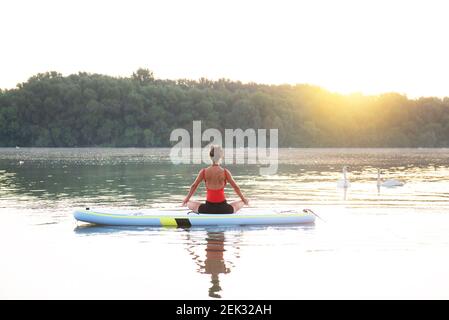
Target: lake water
381	244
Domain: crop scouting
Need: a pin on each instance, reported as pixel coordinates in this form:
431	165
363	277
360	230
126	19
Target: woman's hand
245	201
184	203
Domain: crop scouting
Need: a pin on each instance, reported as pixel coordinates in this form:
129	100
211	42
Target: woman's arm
193	187
234	185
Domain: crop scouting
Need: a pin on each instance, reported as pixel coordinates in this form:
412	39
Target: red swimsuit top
214	195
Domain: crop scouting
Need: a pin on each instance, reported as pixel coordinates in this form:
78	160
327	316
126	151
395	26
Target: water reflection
92	229
213	251
214	262
141	178
345	193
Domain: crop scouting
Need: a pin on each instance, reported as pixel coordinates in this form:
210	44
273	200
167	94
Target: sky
344	46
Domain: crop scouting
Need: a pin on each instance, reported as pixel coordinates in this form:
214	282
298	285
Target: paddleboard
186	218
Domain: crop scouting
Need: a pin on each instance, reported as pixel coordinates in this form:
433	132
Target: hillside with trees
80	110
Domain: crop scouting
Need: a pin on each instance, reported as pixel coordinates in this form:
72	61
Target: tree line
80	110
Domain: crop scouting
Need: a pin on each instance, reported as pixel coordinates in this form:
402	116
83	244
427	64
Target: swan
344	181
389	182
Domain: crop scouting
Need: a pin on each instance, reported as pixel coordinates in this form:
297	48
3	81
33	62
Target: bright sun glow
345	46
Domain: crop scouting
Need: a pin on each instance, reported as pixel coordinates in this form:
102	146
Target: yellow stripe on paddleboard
168	222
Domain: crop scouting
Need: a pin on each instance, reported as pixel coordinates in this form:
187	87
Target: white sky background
345	45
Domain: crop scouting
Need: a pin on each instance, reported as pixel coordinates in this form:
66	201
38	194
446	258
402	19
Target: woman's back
215	177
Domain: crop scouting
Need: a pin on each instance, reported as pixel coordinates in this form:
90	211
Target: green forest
81	110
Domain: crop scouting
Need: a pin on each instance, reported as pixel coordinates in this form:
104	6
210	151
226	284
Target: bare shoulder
227	172
206	169
202	172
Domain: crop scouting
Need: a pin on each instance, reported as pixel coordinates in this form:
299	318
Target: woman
215	177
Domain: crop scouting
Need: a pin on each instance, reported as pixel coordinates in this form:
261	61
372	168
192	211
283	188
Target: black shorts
215	207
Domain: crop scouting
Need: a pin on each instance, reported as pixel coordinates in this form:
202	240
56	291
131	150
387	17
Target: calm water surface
373	243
